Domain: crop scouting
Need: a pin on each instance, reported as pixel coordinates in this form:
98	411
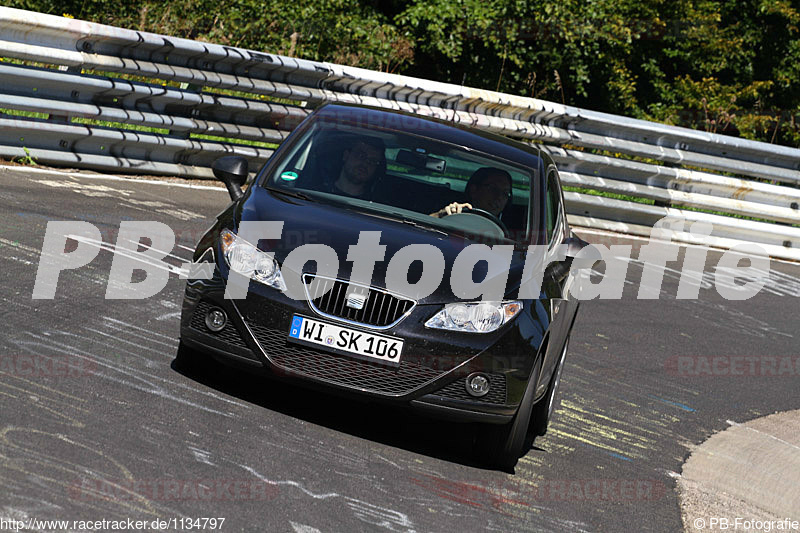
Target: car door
560	309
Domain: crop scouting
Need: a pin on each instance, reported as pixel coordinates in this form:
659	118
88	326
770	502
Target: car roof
433	128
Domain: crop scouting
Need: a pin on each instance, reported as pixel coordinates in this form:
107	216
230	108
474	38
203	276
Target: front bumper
428	378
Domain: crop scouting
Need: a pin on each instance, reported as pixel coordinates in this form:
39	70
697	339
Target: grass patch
735	215
119	125
24	114
258	144
613	195
253	96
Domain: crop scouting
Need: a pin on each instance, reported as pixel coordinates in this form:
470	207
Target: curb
745	478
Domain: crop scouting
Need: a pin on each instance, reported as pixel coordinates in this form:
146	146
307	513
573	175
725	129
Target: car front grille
379	309
457	391
341	370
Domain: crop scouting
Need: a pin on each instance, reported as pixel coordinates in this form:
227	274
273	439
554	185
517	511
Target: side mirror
559	270
232	171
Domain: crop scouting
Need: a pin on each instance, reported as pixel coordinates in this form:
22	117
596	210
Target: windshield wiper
289	192
400	217
416	224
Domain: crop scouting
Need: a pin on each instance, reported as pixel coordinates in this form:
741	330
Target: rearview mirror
421	160
232	171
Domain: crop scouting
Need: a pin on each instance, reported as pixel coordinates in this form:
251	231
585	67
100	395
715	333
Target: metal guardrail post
190	87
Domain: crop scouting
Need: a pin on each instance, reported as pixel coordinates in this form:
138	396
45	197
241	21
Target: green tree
730	66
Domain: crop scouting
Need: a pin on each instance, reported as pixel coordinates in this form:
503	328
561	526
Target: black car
426	198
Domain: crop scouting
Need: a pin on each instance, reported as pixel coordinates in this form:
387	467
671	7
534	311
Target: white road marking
364	511
48	172
301	528
754	430
202	456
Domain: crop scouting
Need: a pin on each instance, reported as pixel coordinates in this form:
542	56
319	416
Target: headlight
249	261
478	317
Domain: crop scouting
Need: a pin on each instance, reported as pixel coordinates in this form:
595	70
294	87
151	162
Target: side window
553	215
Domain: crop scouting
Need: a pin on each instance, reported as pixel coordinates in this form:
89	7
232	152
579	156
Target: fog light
216	319
478	385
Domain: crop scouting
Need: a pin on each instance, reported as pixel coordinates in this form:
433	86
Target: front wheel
183	356
188	359
544	408
502	446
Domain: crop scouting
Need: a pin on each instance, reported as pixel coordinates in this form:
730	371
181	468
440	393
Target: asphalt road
125	434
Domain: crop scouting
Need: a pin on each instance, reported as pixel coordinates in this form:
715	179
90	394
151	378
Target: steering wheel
490	216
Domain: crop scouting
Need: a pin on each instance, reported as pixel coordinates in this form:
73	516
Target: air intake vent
339	370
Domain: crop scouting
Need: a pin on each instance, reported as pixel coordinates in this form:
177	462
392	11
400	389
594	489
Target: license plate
341	339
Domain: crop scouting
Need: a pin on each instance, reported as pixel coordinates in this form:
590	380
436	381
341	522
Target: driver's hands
451	209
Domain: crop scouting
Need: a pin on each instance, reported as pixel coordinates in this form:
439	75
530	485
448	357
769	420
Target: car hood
310	222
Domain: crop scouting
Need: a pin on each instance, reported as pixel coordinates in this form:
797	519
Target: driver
488	188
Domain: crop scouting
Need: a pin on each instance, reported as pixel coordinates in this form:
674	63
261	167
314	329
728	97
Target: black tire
544	408
187	358
183	355
501	446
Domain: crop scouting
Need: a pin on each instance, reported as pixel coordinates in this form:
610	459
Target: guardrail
228	96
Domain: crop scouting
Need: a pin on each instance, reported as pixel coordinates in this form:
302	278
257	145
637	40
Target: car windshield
411	178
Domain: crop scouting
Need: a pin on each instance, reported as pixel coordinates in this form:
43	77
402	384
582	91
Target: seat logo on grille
356	301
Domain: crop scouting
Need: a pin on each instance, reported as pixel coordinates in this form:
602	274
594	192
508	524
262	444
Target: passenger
362	165
488	188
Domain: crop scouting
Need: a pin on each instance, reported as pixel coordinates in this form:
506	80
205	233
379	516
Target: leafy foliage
729	66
